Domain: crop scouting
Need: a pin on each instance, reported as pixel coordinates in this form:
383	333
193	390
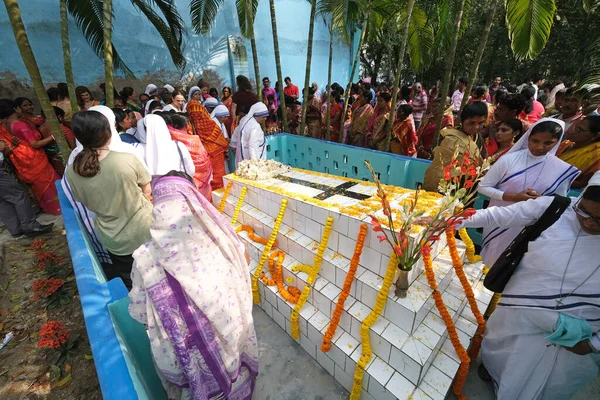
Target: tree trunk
14	15
256	68
64	32
355	64
448	72
479	53
278	66
311	29
388	133
108	54
329	68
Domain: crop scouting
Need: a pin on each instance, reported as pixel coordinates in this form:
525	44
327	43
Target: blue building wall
141	47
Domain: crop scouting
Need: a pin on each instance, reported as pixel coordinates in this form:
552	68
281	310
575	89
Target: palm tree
14	16
89	18
480	49
408	19
329	68
64	33
204	13
448	70
278	64
108	54
311	29
529	24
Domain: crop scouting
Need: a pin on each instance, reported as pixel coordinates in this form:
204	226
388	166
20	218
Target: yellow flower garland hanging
464	236
312	272
458	268
224	198
266	251
252	235
238	206
368	322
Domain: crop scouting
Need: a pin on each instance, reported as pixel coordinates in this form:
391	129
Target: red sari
202	162
33	167
229	120
212	139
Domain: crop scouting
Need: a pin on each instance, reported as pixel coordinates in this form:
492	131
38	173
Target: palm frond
203	14
420	40
171	31
246	11
529	23
88	18
444	22
589	73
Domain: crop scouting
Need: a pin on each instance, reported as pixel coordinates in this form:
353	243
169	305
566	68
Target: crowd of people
140	178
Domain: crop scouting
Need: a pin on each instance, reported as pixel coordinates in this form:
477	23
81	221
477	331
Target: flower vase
402	283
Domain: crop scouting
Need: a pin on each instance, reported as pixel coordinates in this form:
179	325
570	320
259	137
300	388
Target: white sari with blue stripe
514	172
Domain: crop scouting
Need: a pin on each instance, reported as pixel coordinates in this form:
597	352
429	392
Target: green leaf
529	23
204	13
54	372
420	40
88	356
63	300
64	381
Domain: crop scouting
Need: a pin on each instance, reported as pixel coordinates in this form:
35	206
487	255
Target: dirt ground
27	372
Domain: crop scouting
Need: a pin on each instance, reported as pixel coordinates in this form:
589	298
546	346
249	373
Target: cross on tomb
328	191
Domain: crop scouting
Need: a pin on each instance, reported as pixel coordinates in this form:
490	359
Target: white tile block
325	361
378	391
395	336
346	246
343	378
347	343
315	324
308	346
322	303
405	365
336	354
427	336
313	230
279	318
380	371
400	387
299	222
446	364
438	380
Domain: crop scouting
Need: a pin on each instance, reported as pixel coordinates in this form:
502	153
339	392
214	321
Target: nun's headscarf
140	132
193	90
148	104
220	111
211	102
151	89
523	143
170	88
258	110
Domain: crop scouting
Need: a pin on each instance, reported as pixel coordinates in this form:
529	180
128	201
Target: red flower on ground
46	287
53	335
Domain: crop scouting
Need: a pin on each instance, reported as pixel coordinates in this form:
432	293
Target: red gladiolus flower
381	238
463	170
376	224
466	157
398	250
447	173
469	184
425	250
402	239
469	212
434	237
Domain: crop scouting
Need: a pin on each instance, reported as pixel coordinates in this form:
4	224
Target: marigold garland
458	268
492	306
275	262
224	198
463	370
368	322
339	307
312	275
266	251
238	206
252	235
464	236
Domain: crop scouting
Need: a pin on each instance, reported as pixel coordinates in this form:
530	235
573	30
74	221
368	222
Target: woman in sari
212	139
543	339
426	130
529	170
335	116
227	101
31	162
582	149
404	140
360	119
457	141
85	99
129	97
504	139
191	289
378	122
203	174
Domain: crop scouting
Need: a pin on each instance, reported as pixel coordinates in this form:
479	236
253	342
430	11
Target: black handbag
505	266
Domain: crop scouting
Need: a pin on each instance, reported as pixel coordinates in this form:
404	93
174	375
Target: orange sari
201	160
212	139
33	167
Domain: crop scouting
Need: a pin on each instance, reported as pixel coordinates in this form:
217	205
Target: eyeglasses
585	215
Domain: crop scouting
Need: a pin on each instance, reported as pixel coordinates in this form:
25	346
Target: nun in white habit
530	169
163	154
219	114
543	340
251	144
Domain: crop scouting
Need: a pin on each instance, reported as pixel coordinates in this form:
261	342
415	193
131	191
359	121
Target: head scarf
170	88
148	104
140	132
211	102
193	90
162	154
220	111
522	144
151	89
258	110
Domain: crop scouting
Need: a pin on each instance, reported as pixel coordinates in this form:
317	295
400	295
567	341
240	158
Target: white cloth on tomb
514	172
523	364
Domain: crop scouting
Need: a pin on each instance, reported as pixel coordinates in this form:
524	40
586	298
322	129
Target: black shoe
40	230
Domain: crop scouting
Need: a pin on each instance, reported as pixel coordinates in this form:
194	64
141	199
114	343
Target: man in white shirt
538	82
552	96
457	96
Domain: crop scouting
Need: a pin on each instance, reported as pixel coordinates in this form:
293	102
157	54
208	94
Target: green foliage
420	40
529	23
204	13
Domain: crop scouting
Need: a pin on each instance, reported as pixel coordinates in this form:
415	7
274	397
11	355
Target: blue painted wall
140	46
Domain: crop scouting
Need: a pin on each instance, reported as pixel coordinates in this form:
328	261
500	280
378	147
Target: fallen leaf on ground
64	382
